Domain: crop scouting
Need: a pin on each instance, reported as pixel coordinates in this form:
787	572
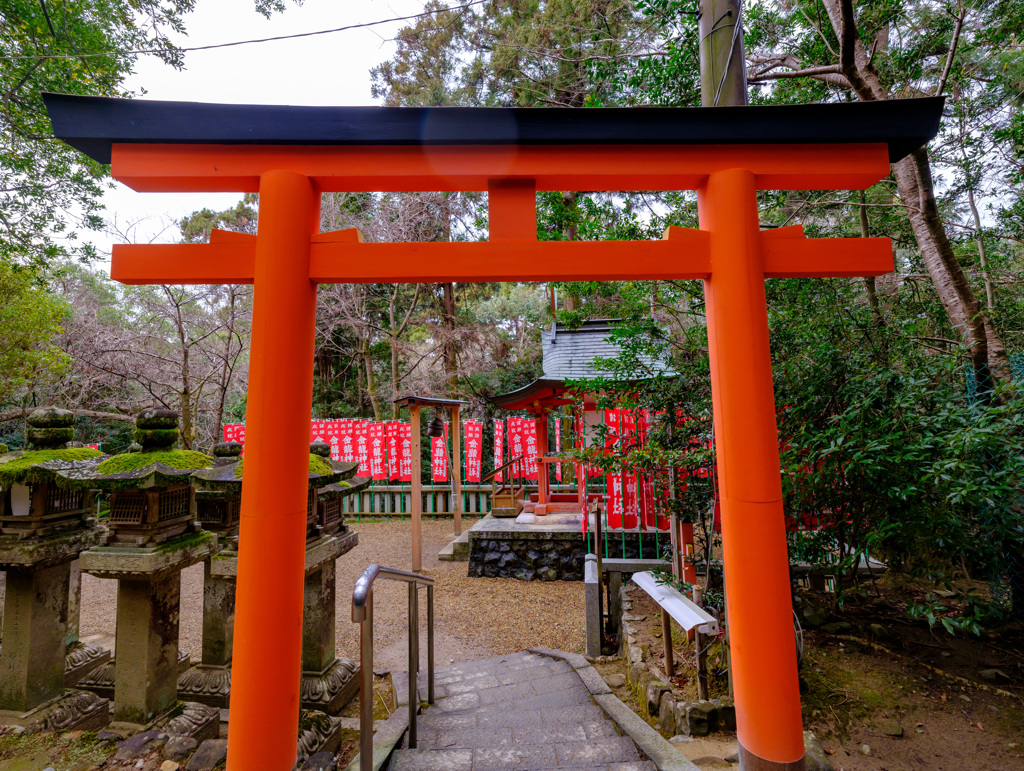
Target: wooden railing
396	500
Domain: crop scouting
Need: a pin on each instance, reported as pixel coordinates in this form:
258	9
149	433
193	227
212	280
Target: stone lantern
44	526
328	682
152	537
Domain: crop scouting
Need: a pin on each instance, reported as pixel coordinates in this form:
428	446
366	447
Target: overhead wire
364	25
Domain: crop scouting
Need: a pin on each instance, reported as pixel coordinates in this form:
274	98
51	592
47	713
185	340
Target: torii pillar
720	152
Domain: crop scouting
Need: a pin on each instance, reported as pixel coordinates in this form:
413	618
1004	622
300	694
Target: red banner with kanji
499	449
529	428
405	453
378	470
235	432
439	456
515	445
393	436
474	442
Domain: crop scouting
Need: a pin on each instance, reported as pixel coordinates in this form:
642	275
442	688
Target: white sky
331	69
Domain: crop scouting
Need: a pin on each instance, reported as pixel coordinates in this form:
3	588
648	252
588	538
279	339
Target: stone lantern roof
157	464
50	429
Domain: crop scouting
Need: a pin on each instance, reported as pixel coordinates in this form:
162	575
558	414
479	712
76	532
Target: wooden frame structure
291	155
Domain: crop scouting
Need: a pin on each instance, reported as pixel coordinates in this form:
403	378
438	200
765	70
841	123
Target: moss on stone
317	465
17	469
185	541
183	460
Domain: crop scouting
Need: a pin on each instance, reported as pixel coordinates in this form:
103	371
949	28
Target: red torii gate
290	155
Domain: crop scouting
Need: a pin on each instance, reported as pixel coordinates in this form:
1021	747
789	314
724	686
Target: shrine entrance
290	155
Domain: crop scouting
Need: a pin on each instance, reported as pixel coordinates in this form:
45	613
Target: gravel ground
475	618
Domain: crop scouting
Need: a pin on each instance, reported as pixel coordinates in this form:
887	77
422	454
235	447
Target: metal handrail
362	614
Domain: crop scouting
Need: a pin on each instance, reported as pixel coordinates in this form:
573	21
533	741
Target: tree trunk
987	352
449	348
982	256
869	281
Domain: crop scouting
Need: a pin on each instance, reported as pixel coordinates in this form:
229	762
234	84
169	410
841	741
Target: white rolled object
685	612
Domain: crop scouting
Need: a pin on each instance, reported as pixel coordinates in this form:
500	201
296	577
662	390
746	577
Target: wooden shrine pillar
416	510
543	480
268	619
456	475
768	720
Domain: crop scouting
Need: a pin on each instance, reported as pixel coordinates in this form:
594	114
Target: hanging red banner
515	446
405	453
377	468
316	431
529	429
393	435
439	457
347	440
474	431
558	448
614	489
234	432
362	433
499	449
332	435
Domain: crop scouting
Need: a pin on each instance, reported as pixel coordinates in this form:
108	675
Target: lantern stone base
81	660
54	549
72	710
101	680
331	690
206	684
318	732
197	721
148	563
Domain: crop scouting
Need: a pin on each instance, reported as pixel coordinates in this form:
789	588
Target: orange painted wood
218	236
237	168
232	262
755	554
511	210
826	257
271	561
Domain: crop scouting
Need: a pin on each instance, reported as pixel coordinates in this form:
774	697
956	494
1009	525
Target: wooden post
456	470
417	492
702	653
271	565
543	482
666	633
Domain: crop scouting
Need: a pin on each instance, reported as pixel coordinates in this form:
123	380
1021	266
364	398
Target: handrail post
430	644
366	687
414	661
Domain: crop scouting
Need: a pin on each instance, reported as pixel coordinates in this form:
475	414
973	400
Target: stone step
519	712
457	550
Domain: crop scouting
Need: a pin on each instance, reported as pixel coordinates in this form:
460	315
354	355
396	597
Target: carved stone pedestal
72	710
36	616
148	602
81	659
328	682
318	732
210	681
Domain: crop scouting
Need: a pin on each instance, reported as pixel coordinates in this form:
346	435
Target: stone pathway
515	713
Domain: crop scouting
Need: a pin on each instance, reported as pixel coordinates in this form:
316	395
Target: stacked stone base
501	548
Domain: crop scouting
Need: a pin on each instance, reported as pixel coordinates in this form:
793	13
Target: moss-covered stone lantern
34	504
44	526
152	538
150	491
328	682
217	509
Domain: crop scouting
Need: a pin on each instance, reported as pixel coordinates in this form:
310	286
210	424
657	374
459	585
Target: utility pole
723	70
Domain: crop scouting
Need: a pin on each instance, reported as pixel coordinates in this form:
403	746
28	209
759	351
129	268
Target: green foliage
182	460
30	317
17	468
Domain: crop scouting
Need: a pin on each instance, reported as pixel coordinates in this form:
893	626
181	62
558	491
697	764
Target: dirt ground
861	689
474	617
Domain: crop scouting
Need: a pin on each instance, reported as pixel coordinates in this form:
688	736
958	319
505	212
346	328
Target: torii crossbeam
290	155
